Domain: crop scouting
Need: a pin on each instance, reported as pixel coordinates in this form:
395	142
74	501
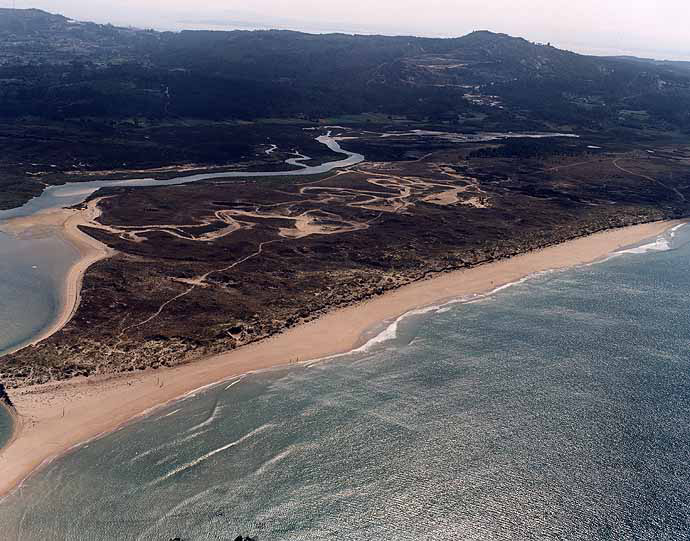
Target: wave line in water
173	443
208	455
185	503
211	417
234	383
170	414
661	244
278	458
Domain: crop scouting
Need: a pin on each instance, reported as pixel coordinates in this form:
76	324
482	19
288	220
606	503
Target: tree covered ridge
53	67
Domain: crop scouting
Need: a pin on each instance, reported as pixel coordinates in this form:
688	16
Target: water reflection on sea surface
558	409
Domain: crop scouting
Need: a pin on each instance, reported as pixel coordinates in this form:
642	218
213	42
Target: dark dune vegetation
212	266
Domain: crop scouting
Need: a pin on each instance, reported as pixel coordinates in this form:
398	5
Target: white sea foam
511	284
661	244
280	456
673	230
390	332
198	390
174	443
170	414
149	411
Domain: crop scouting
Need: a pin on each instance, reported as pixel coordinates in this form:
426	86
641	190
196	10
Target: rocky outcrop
4	397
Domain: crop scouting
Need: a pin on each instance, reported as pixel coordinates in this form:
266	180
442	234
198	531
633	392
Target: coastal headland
57	416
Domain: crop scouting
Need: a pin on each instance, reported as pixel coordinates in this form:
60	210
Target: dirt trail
651	179
395	194
389	194
200	281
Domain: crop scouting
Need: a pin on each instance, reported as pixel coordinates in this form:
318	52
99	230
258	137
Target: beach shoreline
56	417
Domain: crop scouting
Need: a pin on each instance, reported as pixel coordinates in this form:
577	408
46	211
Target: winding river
73	193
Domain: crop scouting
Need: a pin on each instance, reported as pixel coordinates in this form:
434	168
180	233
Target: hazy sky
659	28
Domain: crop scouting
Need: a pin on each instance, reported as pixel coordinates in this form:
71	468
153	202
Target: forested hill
51	66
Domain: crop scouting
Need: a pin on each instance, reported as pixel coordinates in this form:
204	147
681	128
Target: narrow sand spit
56	417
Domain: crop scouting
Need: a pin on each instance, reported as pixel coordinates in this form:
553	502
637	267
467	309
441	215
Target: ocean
556	409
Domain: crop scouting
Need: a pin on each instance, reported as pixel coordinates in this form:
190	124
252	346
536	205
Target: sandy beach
54	418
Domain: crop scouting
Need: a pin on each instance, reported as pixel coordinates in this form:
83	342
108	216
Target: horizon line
182	25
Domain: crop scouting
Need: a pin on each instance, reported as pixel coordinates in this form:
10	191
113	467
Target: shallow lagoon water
31	273
556	409
31	282
6	425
